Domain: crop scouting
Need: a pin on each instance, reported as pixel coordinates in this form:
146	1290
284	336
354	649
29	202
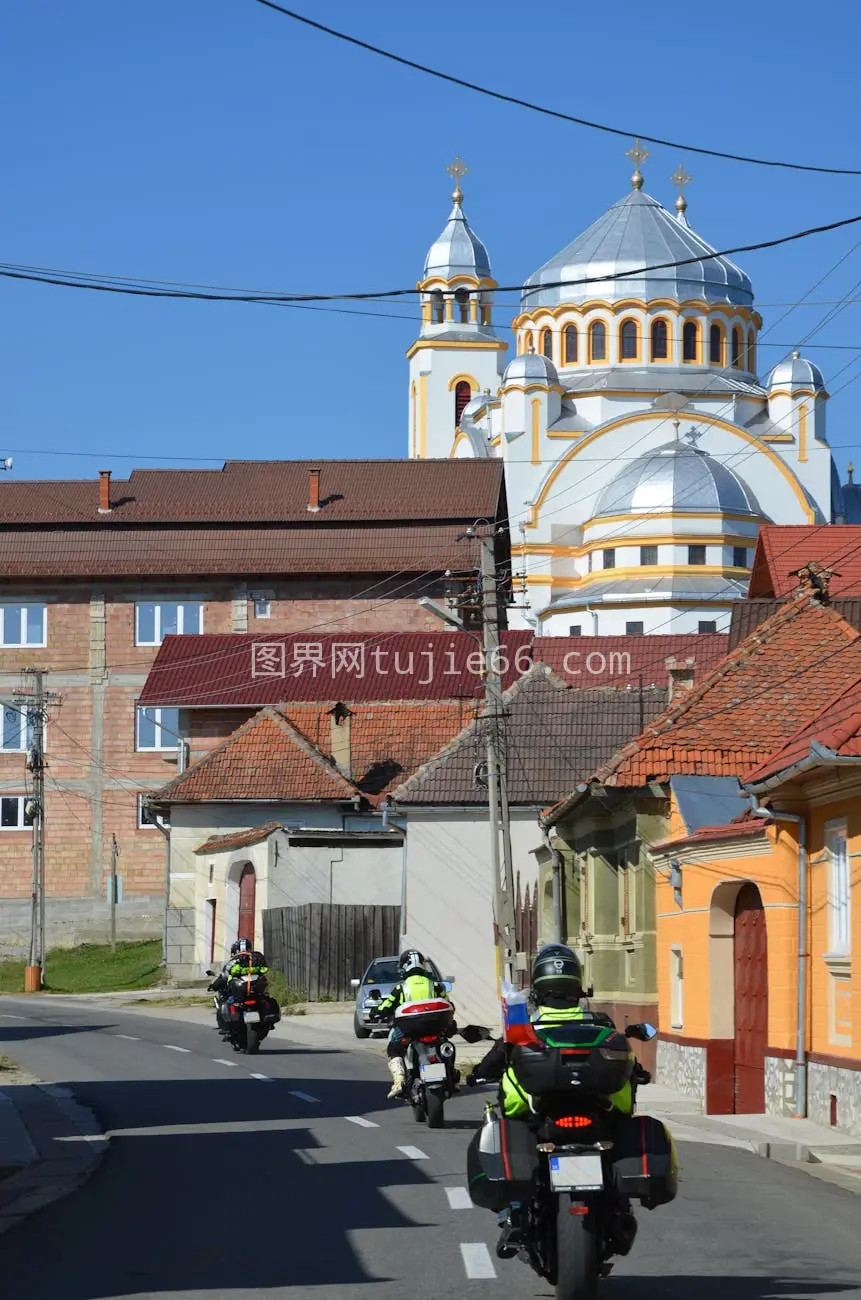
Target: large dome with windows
637	232
676	477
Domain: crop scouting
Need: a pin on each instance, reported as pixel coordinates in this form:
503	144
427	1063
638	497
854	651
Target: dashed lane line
263	1077
477	1261
458	1198
303	1096
130	1038
361	1121
220	1060
171	1047
412	1153
7	1015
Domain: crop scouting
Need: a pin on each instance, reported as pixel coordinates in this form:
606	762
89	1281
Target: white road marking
303	1096
412	1153
219	1060
264	1077
361	1121
170	1047
476	1260
130	1038
7	1015
458	1198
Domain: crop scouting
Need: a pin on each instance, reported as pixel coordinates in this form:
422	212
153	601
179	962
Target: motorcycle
246	1012
573	1169
429	1059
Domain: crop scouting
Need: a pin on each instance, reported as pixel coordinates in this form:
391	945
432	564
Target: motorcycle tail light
430	1039
573	1121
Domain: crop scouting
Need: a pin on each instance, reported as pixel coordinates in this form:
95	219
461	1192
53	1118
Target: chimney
339	740
313	491
814	580
681	675
104	491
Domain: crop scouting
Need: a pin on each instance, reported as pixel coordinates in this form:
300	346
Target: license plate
433	1073
251	1017
576	1173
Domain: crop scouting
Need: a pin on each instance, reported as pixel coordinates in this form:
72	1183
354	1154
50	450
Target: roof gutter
817	756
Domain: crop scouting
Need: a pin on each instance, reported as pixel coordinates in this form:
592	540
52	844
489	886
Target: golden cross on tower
681	178
457	169
637	154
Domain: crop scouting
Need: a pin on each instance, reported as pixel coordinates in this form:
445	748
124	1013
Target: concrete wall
448	911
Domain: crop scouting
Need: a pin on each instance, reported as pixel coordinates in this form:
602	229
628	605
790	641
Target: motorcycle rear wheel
577	1261
252	1040
436	1109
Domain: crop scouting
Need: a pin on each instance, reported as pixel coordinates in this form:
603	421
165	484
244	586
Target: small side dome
530	368
676	477
797	372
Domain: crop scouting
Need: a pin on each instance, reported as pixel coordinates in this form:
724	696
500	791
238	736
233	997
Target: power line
550	112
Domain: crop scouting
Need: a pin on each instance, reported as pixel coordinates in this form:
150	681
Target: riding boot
399	1076
511	1237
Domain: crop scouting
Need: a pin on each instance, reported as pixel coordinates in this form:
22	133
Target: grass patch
288	999
92	968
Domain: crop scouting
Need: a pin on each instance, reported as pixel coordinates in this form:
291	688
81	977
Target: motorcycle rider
556	992
416	985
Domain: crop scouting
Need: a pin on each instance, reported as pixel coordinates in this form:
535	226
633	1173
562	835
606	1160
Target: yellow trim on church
470	345
557	551
463	378
578	583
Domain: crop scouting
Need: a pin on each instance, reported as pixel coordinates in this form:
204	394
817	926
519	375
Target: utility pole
33	700
115	853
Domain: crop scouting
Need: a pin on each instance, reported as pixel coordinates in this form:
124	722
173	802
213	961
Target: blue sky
215	141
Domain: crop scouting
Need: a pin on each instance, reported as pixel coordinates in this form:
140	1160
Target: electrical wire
549	112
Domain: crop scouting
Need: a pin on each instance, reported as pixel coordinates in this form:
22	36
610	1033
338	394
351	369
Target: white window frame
23	605
180	619
22	799
27	738
839	889
262	607
677	987
156	715
142	825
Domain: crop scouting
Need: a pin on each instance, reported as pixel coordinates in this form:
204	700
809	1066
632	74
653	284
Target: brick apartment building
95	574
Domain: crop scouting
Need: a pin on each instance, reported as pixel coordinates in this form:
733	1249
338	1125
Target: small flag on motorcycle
515	1016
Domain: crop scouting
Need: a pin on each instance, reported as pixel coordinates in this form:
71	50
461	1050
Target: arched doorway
247	893
750	997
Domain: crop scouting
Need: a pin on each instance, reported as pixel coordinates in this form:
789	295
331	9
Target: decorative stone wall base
827	1081
682	1068
180	943
779	1086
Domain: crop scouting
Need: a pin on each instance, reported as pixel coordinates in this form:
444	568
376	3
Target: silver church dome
530	368
458	250
637	232
676	477
797	372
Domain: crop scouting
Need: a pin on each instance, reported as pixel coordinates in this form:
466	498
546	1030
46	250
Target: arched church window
690	341
715	345
737	349
660	341
547	343
570	344
598	341
437	308
628	349
751	352
462	395
461	297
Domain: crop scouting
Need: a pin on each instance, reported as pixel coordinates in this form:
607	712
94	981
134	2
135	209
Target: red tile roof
837	727
783	549
619	660
707	834
267	492
752	702
224	671
238	839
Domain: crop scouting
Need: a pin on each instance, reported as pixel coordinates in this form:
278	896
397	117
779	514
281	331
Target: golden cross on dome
681	178
457	169
637	154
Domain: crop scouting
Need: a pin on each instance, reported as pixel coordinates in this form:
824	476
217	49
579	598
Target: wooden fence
320	947
526	926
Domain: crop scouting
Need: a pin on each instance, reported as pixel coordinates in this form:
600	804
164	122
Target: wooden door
750	961
247	892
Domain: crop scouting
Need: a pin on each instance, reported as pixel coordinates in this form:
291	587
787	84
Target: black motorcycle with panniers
429	1059
245	1011
574	1165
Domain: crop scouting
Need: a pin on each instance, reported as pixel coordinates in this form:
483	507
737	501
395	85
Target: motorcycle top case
577	1055
421	1019
645	1165
501	1161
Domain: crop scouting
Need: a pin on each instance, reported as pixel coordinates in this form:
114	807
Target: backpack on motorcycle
645	1165
501	1161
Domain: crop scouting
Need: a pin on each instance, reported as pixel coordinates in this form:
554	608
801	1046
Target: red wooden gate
750	961
247	892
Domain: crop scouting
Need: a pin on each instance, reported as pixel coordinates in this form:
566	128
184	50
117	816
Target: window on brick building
147	819
16	733
15	812
154	620
22	624
262	607
157	729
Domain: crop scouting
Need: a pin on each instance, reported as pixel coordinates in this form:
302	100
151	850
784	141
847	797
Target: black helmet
244	945
411	962
557	976
234	948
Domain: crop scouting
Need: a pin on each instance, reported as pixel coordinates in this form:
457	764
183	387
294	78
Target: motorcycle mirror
448	981
643	1033
354	984
209	972
473	1033
650	1032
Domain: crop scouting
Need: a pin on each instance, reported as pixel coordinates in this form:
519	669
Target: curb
70	1144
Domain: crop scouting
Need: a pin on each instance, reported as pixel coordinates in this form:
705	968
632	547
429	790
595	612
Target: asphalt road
264	1177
